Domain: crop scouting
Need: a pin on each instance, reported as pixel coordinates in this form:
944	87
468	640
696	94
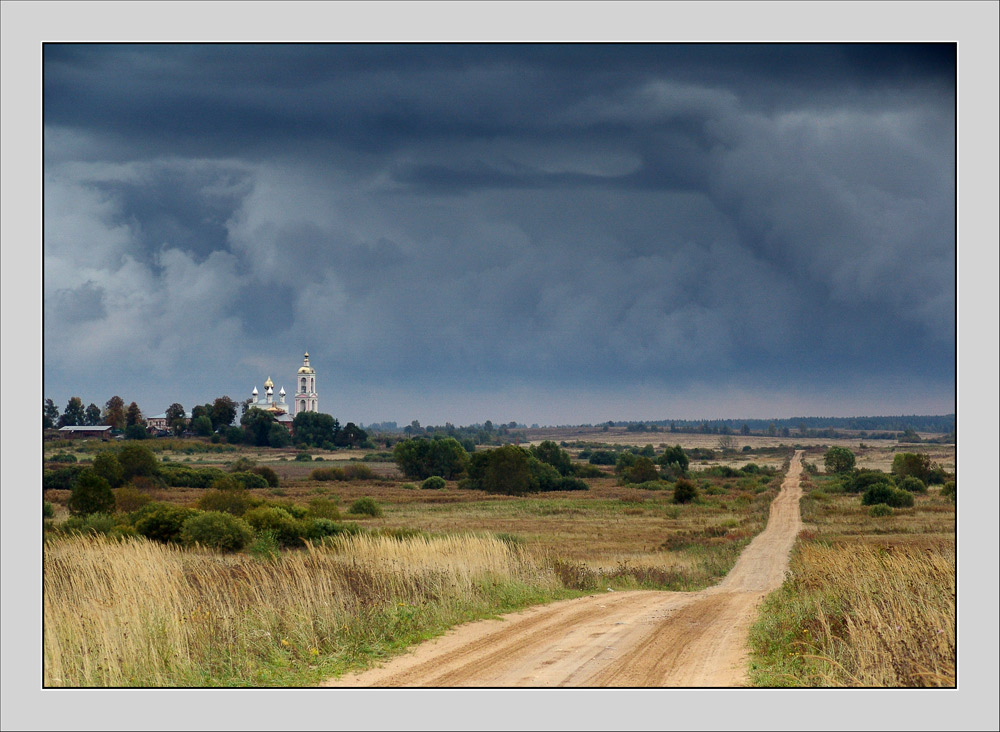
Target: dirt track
615	638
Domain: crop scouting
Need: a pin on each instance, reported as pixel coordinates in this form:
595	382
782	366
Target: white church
305	398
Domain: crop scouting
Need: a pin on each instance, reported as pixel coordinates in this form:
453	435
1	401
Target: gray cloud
472	217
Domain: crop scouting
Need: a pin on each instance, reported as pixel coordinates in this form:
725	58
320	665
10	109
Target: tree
74	413
50	414
92	415
745	429
90	494
107	466
201	410
549	452
641	471
685	491
257	426
202	425
502	470
421	458
838	460
917	465
350	436
223	412
727	443
314	428
278	436
114	413
137	460
133	415
176	419
674	456
136	432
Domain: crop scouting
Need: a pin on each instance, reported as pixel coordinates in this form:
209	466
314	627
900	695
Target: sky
543	233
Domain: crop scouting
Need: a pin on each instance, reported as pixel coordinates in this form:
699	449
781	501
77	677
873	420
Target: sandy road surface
640	638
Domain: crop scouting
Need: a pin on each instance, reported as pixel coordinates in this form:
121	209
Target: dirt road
616	638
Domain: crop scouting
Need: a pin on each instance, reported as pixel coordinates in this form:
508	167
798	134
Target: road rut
636	638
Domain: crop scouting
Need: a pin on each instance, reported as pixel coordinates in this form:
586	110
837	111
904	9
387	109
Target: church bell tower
306	399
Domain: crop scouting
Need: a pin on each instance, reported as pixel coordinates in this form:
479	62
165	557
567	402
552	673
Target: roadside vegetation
870	598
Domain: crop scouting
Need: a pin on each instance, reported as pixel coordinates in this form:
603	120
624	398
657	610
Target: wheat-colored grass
864	615
140	613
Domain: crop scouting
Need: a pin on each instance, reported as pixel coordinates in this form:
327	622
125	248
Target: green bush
249	480
63	457
265	546
434	483
879	509
183	476
911	484
217	530
47	510
235	502
241	465
286	529
684	491
640	471
421	458
885	493
358	471
860	480
570	484
365	506
324	508
587	470
107	466
90	494
62	479
162	522
95	523
408	486
602	457
303	457
267	474
136	432
949	490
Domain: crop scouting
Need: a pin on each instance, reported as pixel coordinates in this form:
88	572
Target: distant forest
801	425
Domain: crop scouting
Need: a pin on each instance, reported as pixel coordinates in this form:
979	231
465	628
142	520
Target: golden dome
269	383
306	370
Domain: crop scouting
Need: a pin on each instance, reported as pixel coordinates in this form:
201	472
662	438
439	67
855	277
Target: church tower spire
306	399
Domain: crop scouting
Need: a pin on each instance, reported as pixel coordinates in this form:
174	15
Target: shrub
63	457
357	471
506	470
267	474
235	502
885	493
949	490
241	465
217	530
62	479
278	436
95	523
90	494
602	457
128	498
183	476
570	484
911	484
326	474
859	480
408	486
47	510
676	458
684	491
303	457
324	508
917	465
285	528
249	480
879	509
136	432
434	483
838	460
587	471
162	522
421	458
641	471
365	506
549	452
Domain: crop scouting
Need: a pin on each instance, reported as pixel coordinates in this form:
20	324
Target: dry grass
864	615
138	613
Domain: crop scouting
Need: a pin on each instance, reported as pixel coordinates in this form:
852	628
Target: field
546	546
870	600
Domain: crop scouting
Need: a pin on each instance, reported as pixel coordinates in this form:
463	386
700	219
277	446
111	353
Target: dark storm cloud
503	214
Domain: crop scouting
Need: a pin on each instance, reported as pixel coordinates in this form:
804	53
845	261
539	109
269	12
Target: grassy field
870	601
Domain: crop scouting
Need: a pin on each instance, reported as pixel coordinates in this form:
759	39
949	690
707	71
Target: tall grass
137	613
856	614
